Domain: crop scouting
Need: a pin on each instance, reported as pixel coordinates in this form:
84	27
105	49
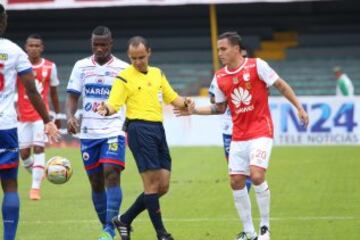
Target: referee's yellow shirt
143	94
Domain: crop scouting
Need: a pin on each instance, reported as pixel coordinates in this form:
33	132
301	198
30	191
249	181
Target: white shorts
31	134
255	152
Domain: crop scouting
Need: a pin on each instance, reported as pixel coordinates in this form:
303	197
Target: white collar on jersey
39	64
107	63
236	70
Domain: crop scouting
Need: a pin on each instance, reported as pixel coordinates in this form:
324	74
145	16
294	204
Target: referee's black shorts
147	142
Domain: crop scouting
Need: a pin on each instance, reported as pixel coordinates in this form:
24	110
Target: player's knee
97	186
257	178
257	175
97	181
237	182
163	189
25	153
38	149
112	177
152	187
9	185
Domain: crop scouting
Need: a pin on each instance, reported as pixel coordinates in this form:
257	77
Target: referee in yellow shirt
144	90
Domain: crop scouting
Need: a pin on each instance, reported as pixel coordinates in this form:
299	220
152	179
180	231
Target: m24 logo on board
324	117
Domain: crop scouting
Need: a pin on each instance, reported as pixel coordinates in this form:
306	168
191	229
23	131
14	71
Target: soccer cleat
34	194
123	229
165	236
264	233
105	236
246	236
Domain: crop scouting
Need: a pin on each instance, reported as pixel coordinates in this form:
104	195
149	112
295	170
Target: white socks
243	207
263	199
38	170
28	163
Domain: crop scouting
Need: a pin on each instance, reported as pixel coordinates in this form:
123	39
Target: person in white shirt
102	139
14	62
344	86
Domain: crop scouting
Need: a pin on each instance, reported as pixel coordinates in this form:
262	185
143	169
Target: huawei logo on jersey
240	97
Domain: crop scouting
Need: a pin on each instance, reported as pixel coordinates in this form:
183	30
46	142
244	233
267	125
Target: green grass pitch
315	195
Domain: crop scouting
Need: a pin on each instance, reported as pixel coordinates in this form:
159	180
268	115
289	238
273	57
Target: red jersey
45	76
245	90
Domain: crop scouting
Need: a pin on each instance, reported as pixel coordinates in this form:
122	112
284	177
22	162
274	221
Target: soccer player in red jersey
31	127
242	85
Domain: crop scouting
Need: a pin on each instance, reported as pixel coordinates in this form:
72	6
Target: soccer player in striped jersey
31	127
102	140
14	62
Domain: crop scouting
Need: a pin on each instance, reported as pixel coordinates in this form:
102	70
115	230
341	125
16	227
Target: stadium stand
302	41
315	75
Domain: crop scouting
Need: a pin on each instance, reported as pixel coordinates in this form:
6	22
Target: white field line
277	219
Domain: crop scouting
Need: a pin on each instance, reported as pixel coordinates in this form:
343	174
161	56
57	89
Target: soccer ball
58	170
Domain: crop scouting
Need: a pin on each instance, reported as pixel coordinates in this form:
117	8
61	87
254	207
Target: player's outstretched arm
184	102
289	93
51	130
213	109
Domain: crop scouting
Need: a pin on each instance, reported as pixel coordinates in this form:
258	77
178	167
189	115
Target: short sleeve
118	94
169	95
219	95
75	84
212	87
23	64
54	79
265	72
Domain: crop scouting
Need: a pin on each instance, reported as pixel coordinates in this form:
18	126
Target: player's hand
52	131
190	104
102	109
180	112
58	123
73	125
304	117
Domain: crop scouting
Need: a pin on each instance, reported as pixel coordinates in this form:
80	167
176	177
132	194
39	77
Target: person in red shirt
242	85
31	127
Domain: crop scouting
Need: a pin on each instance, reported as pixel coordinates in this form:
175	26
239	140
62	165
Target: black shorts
147	142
